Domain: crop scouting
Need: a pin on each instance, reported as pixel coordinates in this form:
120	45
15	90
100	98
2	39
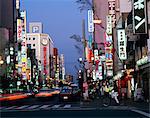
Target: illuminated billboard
122	44
23	45
90	21
139	17
19	30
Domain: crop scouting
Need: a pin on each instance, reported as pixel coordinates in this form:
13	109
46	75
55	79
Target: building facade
43	46
8	15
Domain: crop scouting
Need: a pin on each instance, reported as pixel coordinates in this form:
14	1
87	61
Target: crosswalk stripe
55	106
9	108
30	107
1	108
44	106
22	107
33	107
67	106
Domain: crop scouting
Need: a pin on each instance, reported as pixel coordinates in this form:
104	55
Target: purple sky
61	19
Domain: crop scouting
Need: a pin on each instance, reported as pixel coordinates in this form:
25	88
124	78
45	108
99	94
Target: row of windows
29	45
30	38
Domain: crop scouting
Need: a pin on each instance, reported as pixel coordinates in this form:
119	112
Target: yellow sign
23	69
24	60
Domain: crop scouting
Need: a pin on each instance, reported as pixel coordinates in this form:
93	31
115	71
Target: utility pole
84	49
84	82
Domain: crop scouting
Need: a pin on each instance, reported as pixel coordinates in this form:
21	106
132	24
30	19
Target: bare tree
84	4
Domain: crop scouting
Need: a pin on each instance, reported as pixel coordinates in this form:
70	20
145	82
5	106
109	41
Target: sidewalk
97	103
141	105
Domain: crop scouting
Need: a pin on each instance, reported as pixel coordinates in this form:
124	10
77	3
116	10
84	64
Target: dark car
76	93
65	94
69	94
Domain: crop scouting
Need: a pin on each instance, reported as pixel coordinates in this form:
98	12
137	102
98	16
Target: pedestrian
106	88
115	92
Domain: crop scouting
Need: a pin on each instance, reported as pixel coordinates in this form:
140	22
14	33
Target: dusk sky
61	19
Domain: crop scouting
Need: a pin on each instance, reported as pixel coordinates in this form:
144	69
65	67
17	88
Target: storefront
144	79
144	72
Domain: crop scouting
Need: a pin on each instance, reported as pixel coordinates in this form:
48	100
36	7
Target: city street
73	113
51	107
74	58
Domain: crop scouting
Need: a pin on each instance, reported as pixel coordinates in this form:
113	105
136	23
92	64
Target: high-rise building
100	12
4	39
8	14
43	46
56	63
103	42
62	67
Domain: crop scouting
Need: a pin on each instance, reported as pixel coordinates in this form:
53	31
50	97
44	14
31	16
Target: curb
141	112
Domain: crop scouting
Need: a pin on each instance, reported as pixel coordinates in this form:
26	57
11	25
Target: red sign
45	56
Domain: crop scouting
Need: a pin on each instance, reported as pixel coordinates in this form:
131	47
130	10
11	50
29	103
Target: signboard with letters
19	30
139	17
35	27
112	11
109	24
23	45
90	21
45	59
122	44
17	4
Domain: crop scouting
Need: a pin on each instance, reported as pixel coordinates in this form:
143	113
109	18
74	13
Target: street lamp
1	61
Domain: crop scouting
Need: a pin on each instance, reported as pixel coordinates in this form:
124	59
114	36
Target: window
121	43
29	38
29	45
34	45
33	38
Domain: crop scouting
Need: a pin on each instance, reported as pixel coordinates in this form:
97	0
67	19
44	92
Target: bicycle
107	98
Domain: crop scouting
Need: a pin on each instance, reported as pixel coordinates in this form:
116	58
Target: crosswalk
36	107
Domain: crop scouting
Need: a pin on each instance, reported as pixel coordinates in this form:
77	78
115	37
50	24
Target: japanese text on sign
139	19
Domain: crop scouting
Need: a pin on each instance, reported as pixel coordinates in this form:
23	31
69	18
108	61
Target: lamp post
1	63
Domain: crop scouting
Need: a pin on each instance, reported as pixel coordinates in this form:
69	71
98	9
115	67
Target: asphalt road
52	108
31	101
82	113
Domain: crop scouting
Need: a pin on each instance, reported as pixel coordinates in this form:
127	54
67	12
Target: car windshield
66	91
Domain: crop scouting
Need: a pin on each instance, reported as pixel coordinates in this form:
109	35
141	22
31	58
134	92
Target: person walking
115	92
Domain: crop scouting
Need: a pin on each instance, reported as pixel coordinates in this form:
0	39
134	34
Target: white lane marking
56	106
9	108
33	107
22	107
141	112
44	106
67	106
